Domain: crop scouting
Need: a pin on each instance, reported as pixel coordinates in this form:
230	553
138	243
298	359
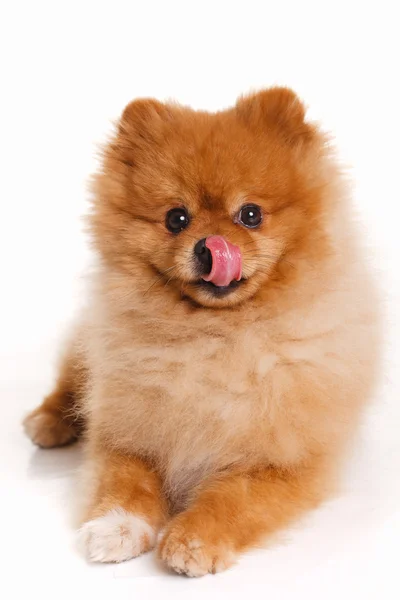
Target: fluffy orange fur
220	418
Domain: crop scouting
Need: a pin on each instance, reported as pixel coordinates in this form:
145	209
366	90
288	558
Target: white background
67	70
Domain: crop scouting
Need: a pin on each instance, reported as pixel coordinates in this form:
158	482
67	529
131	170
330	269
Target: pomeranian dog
230	341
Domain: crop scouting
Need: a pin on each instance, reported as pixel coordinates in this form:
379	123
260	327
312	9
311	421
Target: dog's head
208	205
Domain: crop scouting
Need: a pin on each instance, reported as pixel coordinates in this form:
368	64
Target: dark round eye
177	219
250	215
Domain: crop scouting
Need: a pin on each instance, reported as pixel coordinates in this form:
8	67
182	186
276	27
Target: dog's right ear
277	108
144	120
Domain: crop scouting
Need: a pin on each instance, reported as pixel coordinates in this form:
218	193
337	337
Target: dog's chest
194	402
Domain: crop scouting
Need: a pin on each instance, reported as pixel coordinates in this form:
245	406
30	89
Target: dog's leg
126	508
56	422
236	512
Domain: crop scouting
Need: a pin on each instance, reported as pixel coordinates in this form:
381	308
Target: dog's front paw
184	551
116	536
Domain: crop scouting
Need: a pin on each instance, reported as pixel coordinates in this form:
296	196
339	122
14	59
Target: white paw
116	536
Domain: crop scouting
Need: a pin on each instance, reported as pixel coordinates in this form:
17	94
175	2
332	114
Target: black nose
203	256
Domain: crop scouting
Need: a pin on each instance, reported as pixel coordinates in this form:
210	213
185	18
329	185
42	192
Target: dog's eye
250	215
177	219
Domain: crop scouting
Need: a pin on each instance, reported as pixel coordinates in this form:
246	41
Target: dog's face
209	204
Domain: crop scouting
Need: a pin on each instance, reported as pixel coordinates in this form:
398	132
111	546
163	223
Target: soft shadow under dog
55	463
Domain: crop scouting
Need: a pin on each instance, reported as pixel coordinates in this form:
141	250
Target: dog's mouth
218	291
219	264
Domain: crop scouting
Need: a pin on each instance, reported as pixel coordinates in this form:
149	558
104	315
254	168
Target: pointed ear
144	118
276	108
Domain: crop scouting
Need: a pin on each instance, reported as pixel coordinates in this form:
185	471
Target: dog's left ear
276	108
144	119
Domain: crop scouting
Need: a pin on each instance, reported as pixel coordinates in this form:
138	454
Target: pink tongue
226	261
